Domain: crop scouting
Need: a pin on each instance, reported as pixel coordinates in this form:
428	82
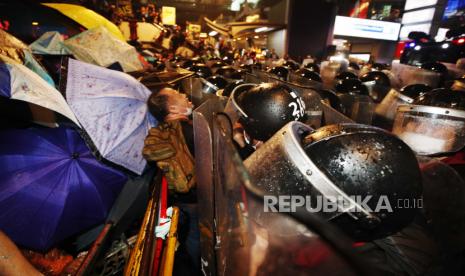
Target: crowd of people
319	127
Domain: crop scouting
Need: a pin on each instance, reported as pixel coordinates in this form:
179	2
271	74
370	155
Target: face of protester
178	104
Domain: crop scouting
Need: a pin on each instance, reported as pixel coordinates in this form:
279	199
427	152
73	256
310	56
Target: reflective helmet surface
218	81
346	75
226	71
346	163
367	161
292	65
353	86
435	67
268	107
309	74
442	97
414	91
313	67
279	71
217	65
354	65
378	84
201	70
230	87
378	67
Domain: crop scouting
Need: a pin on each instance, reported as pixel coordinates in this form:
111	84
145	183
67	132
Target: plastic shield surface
332	116
203	139
406	74
254	242
198	89
251	78
328	72
430	130
263	76
444	201
359	108
387	109
298	80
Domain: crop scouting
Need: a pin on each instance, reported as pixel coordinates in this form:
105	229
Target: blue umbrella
51	186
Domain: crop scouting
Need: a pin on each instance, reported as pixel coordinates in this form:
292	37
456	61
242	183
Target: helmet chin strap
254	143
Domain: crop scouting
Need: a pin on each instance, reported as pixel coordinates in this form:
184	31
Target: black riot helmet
226	71
416	90
378	67
238	74
346	75
201	70
292	65
267	107
228	57
459	84
351	86
435	67
279	71
377	83
329	97
354	65
442	97
313	67
227	91
218	81
246	67
345	164
308	74
217	65
386	110
187	64
434	125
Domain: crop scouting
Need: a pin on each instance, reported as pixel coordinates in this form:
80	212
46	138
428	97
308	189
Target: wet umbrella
98	46
20	83
50	43
112	108
52	187
86	17
17	51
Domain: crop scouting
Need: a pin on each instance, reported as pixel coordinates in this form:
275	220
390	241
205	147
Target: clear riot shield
312	100
406	74
263	76
251	78
254	242
359	108
332	116
203	140
386	111
443	201
328	71
198	89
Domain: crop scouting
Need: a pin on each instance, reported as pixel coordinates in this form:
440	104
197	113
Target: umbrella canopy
87	18
98	46
12	47
50	43
112	108
19	52
20	83
52	187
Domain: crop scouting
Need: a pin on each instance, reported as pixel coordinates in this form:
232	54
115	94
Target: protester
171	145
